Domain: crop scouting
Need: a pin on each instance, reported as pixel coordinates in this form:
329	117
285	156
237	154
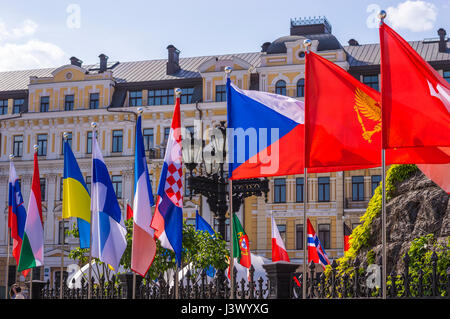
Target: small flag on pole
202	225
316	253
32	253
129	212
279	252
347	235
241	241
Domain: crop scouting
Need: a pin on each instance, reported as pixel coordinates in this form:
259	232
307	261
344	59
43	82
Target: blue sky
139	30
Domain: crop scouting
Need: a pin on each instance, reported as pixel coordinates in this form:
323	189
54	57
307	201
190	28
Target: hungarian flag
415	98
32	252
347	235
278	249
129	212
240	240
343	122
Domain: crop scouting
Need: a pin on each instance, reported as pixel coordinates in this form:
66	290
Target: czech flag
108	229
168	218
265	134
76	199
17	214
278	249
143	249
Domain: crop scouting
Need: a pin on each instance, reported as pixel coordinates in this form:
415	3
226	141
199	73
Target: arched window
301	88
280	87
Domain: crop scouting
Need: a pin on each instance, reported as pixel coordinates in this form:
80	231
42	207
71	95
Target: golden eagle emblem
370	109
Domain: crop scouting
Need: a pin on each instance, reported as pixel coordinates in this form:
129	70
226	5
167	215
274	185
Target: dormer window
135	98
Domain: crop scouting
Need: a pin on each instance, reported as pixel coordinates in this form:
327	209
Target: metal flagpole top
228	70
178	92
11	157
66	135
307	44
382	15
140	110
35	147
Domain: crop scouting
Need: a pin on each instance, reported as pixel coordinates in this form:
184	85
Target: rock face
418	207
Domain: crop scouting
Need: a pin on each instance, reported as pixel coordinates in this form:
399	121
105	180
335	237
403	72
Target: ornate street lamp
214	184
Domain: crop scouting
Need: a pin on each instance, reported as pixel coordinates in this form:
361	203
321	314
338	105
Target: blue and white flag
108	229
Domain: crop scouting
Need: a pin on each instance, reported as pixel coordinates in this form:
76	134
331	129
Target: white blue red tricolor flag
316	253
168	218
265	133
143	249
108	229
17	214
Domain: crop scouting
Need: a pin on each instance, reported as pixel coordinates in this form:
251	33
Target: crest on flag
371	110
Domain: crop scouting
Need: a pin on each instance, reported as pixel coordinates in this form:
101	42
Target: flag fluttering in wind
241	243
347	235
316	253
274	126
202	225
108	229
76	198
32	253
168	218
278	249
17	214
144	245
333	98
415	98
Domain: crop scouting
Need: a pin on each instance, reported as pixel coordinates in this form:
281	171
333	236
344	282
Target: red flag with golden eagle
240	240
343	122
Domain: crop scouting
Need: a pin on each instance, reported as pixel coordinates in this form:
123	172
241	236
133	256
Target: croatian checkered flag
168	217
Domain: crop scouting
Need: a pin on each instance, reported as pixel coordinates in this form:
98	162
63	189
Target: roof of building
326	42
125	72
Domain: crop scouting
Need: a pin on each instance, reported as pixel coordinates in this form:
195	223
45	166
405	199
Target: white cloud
31	54
412	15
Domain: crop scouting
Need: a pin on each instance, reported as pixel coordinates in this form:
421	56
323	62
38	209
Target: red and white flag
129	212
278	249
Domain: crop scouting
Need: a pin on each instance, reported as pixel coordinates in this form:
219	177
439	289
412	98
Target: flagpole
133	296
31	283
65	137
94	126
231	240
382	16
11	158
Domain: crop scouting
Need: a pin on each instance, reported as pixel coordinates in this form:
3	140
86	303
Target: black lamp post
214	185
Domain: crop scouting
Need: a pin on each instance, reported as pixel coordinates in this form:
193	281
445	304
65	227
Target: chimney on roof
442	40
173	65
76	61
103	62
265	46
353	42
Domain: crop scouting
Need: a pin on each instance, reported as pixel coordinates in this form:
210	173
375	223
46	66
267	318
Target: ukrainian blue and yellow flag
76	199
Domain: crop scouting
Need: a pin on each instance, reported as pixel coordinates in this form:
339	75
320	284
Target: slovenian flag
168	218
278	249
76	199
143	249
32	253
108	229
17	214
265	133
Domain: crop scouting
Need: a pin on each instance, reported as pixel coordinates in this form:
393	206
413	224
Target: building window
279	190
301	88
117	185
324	189
187	190
18	145
357	188
324	235
93	101
89	142
160	97
88	183
282	231
447	76
36	273
3	107
186	95
68	102
280	87
18	105
69	140
42	184
372	81
148	138
135	98
117	141
61	188
299	184
63	228
221	93
227	228
42	143
299	237
375	181
190	222
45	103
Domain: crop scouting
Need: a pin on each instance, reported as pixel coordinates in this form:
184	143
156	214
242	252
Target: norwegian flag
168	218
315	250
